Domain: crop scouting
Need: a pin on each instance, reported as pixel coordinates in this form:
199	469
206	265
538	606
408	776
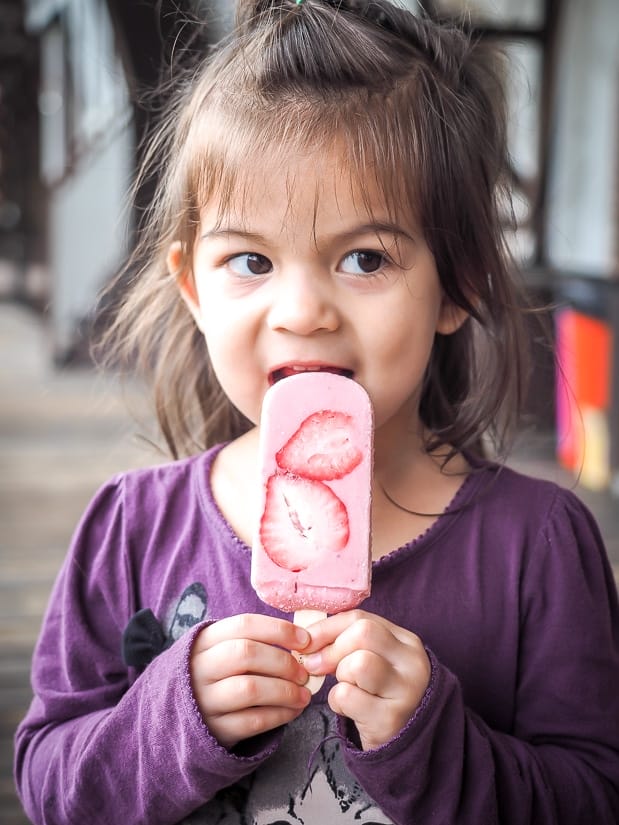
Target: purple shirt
510	590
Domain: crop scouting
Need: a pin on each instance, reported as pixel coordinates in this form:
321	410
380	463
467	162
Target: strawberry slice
302	521
322	448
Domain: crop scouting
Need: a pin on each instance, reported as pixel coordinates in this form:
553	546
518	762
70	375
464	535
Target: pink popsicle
312	544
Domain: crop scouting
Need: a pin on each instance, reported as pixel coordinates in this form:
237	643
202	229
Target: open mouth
285	372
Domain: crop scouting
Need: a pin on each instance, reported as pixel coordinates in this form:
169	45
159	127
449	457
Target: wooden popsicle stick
305	618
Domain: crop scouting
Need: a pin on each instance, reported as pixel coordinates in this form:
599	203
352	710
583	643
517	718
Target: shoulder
525	522
546	524
151	501
157	529
525	499
166	475
162	485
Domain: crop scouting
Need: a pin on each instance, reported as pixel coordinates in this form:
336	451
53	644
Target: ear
184	281
451	317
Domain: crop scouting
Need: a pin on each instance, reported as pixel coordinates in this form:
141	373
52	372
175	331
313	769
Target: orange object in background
584	347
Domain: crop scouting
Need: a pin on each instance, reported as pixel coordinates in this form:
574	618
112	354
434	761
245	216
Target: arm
559	762
99	745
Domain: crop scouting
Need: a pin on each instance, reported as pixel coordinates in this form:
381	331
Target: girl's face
301	275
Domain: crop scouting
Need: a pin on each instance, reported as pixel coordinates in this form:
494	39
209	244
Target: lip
295	368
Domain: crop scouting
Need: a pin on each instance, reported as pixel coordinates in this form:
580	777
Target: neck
408	477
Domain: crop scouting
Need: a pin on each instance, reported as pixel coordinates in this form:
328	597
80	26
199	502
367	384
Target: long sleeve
510	590
99	745
558	763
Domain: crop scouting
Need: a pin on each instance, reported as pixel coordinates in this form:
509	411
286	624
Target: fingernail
311	662
302	637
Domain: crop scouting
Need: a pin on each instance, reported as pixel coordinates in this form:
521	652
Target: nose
303	302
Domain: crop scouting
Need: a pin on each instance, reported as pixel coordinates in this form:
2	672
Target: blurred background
76	99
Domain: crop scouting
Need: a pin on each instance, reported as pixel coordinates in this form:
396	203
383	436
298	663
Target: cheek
226	356
400	335
398	350
219	320
235	367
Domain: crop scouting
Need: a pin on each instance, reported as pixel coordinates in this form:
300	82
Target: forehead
288	184
302	153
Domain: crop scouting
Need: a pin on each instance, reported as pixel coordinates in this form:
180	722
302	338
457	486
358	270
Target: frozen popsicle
312	544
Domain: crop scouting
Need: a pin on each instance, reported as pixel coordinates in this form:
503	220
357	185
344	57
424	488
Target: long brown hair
419	108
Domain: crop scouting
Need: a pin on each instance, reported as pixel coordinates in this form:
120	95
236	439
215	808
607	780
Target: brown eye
363	262
250	264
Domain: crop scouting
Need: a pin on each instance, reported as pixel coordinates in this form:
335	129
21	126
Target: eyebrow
376	228
385	227
231	230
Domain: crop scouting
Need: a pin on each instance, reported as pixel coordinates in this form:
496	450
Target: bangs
233	143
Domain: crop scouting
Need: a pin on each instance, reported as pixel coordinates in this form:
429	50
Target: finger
325	632
370	672
234	727
249	691
377	720
378	696
365	633
351	701
234	657
268	629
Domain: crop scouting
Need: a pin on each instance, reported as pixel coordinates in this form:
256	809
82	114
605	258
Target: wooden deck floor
61	435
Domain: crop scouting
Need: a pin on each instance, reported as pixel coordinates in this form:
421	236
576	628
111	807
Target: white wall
88	219
87	155
583	202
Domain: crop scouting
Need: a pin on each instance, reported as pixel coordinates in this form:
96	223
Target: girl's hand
382	671
244	678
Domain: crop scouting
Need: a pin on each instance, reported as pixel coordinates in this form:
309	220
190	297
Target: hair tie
299	2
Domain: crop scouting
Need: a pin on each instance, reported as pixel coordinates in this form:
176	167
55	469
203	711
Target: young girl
329	200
